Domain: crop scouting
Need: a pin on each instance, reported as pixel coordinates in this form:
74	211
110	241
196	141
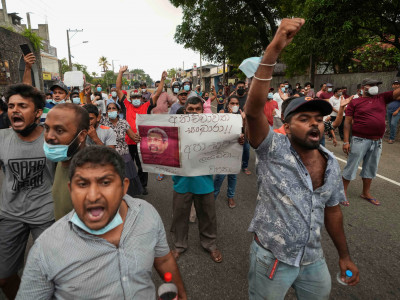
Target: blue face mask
49	101
283	90
76	100
249	66
98	89
136	102
270	95
59	102
112	114
110	226
186	87
361	92
58	153
329	90
176	90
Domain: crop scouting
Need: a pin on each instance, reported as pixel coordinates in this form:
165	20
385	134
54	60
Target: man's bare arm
257	123
29	61
118	84
339	117
166	264
334	226
160	88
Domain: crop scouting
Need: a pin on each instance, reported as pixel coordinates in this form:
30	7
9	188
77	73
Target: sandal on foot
345	203
373	201
231	203
160	177
216	256
246	171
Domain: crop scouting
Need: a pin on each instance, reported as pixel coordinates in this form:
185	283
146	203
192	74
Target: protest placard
190	144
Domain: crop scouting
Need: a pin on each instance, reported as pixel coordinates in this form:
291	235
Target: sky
136	33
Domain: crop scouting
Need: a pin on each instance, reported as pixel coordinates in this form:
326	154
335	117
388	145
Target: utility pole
28	19
69	49
201	72
3	3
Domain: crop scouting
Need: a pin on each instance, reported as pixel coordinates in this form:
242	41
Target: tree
230	29
140	75
336	28
103	62
94	74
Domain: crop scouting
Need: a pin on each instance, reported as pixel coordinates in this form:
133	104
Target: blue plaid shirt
289	214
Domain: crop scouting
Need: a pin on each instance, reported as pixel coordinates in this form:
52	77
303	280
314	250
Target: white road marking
377	175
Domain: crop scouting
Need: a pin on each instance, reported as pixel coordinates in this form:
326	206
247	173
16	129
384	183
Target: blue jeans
311	282
245	155
392	122
219	179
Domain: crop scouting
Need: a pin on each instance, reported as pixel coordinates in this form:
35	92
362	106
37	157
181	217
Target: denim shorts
310	282
369	151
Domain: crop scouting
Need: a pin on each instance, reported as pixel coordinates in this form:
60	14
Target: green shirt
60	192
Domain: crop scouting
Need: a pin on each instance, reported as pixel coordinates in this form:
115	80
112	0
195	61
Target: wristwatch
345	143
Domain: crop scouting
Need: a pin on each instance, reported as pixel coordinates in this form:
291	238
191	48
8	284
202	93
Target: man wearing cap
326	95
182	96
393	115
299	190
365	116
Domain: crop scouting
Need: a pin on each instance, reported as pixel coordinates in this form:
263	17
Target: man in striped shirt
106	247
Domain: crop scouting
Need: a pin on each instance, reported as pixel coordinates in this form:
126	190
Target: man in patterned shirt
299	186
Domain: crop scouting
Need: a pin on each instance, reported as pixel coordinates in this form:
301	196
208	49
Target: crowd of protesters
72	175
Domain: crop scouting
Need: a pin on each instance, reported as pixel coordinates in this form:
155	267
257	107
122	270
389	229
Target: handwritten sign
190	144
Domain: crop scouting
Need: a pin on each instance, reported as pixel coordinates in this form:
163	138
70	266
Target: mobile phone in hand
25	49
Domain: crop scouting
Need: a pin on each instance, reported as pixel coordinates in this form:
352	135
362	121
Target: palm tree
94	74
103	63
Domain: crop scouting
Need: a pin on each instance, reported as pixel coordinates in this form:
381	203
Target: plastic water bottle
348	275
168	290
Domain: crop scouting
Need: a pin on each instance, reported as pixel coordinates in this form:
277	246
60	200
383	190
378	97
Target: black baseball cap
61	85
396	82
305	103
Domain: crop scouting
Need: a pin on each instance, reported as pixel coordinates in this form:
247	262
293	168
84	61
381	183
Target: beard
306	143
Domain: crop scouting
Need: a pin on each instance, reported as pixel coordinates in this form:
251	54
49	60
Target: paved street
373	235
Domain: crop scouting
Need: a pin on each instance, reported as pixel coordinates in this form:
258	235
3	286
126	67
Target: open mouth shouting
95	213
17	121
314	135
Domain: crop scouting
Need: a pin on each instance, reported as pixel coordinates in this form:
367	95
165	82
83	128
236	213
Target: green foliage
103	62
374	56
8	27
65	68
141	76
35	40
227	29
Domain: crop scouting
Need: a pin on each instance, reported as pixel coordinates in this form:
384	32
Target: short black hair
98	84
336	90
322	84
98	155
180	111
240	82
143	84
49	94
194	100
309	83
91	109
26	91
82	116
359	86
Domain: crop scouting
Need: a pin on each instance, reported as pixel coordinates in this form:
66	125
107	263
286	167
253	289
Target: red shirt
131	112
269	108
326	95
369	115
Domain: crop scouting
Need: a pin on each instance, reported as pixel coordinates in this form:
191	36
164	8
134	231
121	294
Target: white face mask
143	90
373	90
235	109
114	94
